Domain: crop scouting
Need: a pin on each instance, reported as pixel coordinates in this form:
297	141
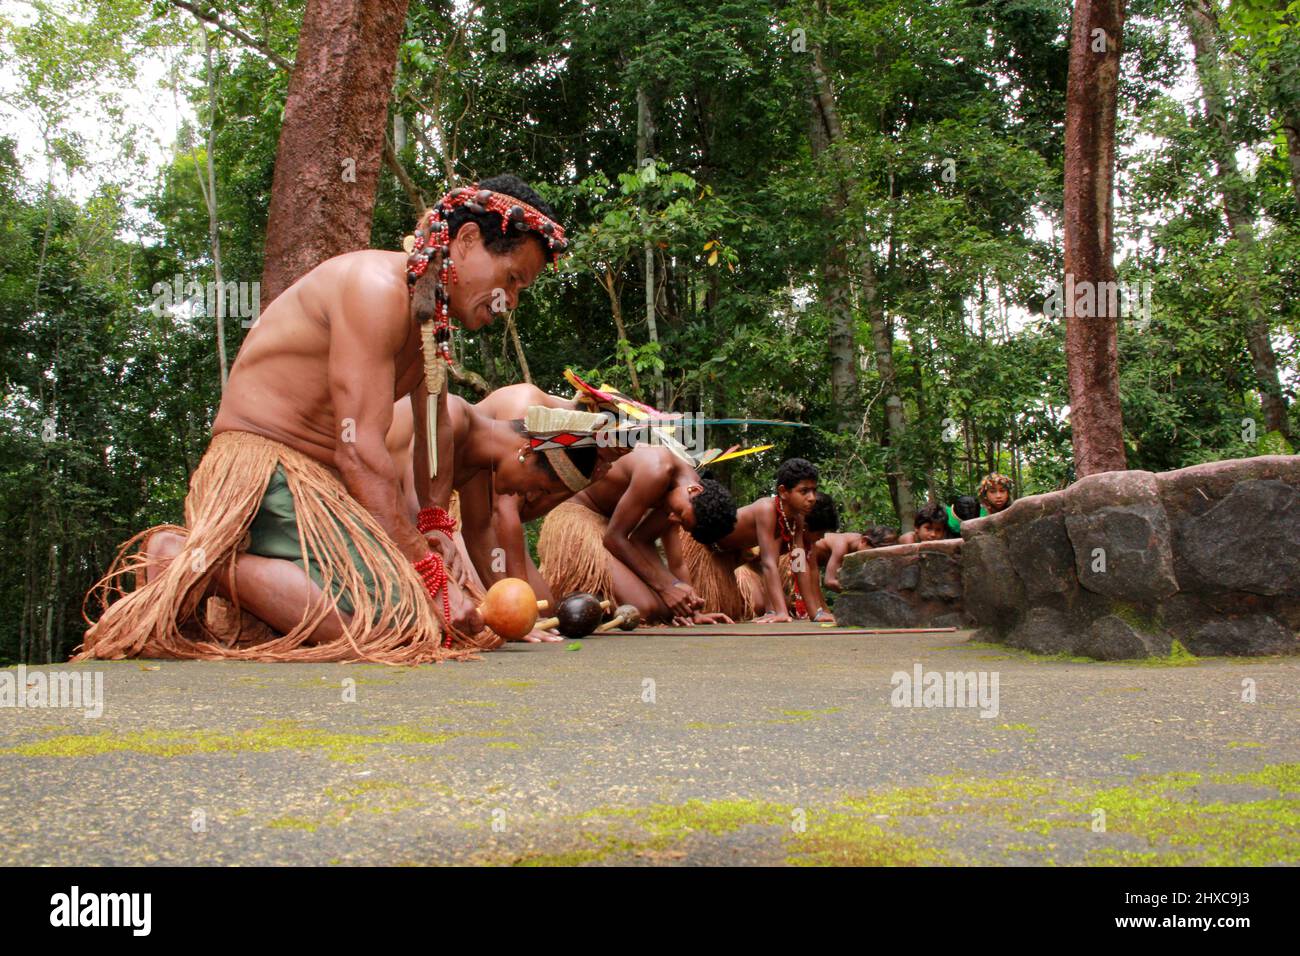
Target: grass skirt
165	618
571	552
715	578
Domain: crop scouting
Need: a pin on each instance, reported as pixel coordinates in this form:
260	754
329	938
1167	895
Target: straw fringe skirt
750	581
749	576
571	552
716	579
164	618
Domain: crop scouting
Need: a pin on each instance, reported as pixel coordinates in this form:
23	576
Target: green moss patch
274	735
1179	656
1150	820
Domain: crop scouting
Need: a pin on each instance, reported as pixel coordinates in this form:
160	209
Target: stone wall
1121	564
906	585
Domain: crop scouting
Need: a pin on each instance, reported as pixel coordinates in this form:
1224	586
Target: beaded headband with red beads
433	234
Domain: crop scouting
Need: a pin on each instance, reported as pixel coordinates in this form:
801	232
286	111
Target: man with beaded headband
295	513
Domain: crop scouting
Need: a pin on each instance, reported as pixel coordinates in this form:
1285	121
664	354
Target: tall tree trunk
842	343
31	600
826	135
332	139
485	356
1203	24
209	190
645	132
1091	343
883	341
1291	126
519	348
51	597
616	309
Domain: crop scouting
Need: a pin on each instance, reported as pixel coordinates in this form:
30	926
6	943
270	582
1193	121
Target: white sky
153	112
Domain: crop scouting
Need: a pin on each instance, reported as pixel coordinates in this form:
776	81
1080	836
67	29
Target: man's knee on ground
159	550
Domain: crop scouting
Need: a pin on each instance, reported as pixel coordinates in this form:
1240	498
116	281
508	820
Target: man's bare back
278	386
658	469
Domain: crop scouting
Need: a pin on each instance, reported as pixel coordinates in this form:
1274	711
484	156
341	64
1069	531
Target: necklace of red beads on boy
783	527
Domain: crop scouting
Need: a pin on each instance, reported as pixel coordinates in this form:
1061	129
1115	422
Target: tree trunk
1091	343
485	356
332	138
1291	126
616	309
842	341
210	198
51	596
413	194
27	627
826	134
519	348
1203	24
645	131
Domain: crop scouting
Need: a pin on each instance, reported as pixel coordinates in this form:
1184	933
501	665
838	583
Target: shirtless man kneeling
295	512
501	482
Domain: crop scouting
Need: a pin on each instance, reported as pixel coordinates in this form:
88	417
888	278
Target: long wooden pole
710	629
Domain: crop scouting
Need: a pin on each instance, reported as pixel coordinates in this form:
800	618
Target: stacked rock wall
1121	564
906	585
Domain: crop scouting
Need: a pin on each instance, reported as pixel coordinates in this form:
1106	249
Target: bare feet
541	637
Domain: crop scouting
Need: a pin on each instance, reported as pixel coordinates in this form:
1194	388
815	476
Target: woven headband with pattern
554	431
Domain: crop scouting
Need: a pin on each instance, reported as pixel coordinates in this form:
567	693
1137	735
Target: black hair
966	507
715	512
489	223
584	458
877	535
932	513
794	471
823	516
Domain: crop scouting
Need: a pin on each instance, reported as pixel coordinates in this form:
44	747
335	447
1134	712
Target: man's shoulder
367	285
652	460
376	270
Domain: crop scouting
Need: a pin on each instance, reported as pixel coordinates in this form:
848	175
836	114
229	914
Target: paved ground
687	748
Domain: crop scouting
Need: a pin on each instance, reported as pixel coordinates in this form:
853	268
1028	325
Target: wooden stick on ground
711	629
